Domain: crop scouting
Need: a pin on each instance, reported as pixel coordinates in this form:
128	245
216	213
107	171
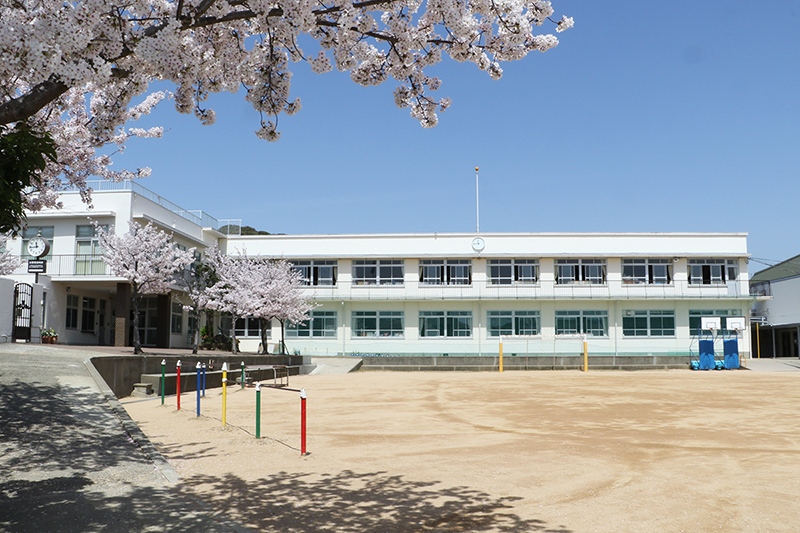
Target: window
648	324
378	323
383	272
584	271
508	271
88	253
72	311
319	324
32	231
712	271
317	272
87	315
512	323
445	324
176	320
647	271
695	322
441	272
248	327
594	323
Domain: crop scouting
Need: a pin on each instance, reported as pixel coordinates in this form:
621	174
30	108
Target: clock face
478	244
37	247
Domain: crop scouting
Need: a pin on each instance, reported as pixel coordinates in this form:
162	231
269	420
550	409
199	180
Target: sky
678	116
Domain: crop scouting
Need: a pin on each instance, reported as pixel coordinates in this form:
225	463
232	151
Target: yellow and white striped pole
501	356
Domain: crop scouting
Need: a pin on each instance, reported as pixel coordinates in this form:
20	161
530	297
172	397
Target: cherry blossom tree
278	295
232	292
8	261
81	70
148	258
195	282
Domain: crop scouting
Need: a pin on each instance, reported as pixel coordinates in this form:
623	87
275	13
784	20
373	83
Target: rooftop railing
198	217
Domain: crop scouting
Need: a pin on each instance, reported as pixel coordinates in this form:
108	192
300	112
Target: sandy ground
649	451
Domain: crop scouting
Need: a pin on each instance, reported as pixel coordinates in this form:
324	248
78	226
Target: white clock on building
478	244
38	247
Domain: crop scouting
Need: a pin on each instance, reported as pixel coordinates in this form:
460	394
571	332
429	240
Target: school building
404	294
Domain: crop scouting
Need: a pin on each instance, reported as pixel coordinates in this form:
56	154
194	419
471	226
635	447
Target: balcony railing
413	290
71	265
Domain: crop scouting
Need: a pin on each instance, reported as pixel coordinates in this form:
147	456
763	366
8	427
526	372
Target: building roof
786	269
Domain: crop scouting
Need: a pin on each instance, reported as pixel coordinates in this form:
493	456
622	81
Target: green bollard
258	410
163	378
243	374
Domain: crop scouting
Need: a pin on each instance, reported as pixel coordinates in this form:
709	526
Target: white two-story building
414	294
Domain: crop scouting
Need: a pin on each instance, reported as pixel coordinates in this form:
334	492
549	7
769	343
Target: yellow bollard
224	392
758	340
585	356
501	356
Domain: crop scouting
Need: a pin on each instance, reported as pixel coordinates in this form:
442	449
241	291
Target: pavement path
71	460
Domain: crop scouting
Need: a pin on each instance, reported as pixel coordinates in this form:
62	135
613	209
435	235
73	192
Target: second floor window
378	272
512	271
580	271
449	272
89	254
712	271
317	272
647	271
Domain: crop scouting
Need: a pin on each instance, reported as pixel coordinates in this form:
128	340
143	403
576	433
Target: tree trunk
283	342
263	323
137	345
196	336
234	348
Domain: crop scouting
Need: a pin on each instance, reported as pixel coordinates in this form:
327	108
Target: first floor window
594	323
695	320
378	323
176	320
445	323
319	324
651	323
87	314
247	327
72	311
513	323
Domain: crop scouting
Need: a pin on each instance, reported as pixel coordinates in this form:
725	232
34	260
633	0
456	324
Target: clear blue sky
649	116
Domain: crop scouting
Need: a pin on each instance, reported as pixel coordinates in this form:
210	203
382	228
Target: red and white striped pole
302	422
178	366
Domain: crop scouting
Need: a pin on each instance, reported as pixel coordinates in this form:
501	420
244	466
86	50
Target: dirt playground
649	451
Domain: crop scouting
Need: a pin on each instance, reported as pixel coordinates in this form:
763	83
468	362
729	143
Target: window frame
447	324
581	322
312	272
445	272
644	323
176	318
72	310
515	321
579	271
385	272
382	327
320	324
648	275
514	268
712	271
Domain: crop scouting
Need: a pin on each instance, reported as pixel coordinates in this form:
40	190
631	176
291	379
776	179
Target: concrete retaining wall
567	362
121	372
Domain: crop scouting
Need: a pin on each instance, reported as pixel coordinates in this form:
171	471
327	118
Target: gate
23	306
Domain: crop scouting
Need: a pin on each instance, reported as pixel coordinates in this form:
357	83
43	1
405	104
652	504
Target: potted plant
49	336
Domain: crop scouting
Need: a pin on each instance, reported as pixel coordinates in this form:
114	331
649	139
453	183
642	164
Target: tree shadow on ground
359	502
60	428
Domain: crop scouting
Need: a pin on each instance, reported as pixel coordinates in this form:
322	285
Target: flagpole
477	205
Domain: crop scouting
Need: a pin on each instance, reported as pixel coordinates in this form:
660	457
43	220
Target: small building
776	313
